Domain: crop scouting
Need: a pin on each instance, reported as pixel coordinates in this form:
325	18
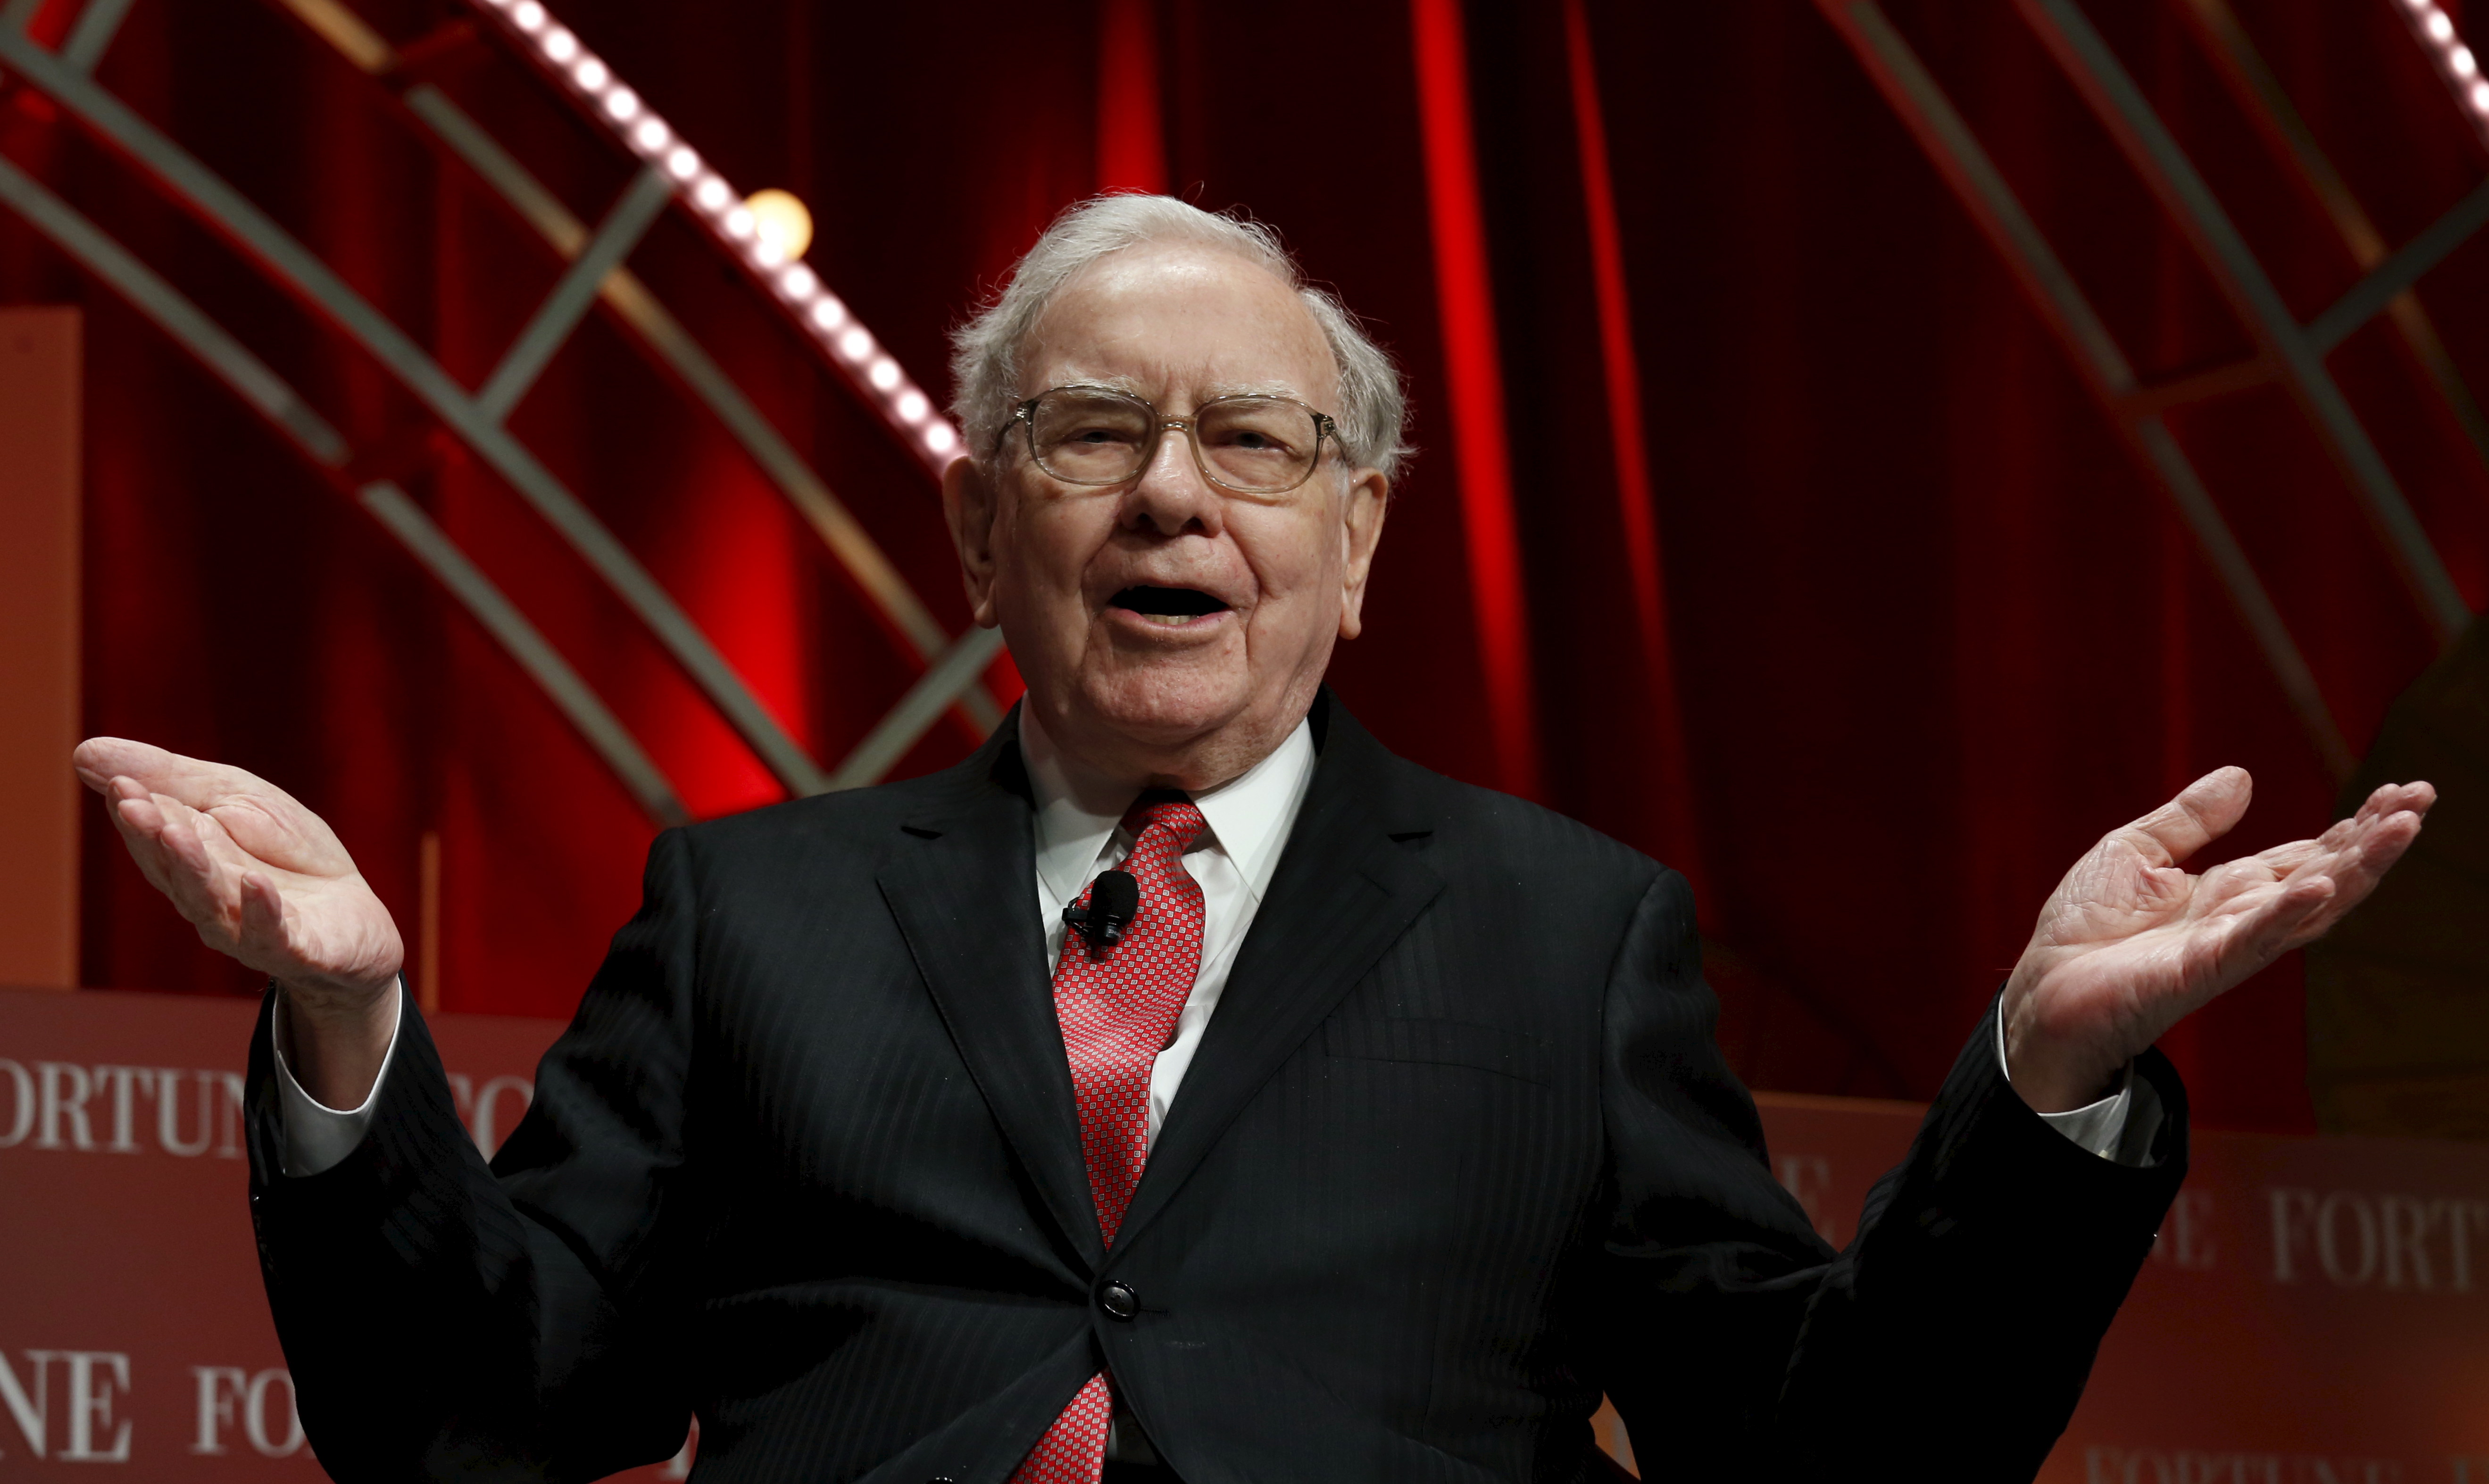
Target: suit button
1119	1300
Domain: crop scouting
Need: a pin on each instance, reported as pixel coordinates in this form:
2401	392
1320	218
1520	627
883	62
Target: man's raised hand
264	880
2130	943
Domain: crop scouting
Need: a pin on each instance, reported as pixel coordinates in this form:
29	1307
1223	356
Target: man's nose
1171	497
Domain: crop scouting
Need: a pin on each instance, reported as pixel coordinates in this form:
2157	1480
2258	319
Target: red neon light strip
1680	843
1473	368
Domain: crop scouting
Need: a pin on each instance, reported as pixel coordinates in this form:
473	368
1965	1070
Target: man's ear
969	505
1361	531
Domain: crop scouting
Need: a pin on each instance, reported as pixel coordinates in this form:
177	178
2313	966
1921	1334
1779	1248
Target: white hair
1373	408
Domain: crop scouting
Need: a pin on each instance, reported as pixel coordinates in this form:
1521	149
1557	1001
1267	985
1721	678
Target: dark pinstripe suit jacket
1457	1155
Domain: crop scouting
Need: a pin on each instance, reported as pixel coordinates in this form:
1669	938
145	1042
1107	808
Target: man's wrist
338	1045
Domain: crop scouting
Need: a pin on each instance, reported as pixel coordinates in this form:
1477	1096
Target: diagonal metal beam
623	226
233	363
918	711
1957	154
2397	274
525	645
1965	167
207	195
267	393
93	34
632	301
2261	97
850	544
2119	103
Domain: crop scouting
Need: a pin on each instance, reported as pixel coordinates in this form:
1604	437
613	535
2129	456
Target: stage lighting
783	222
770	232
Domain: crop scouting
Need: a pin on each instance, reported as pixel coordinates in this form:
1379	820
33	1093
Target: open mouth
1169	606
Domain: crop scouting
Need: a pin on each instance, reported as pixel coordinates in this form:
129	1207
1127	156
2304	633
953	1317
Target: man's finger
194	781
2395	798
263	916
2202	813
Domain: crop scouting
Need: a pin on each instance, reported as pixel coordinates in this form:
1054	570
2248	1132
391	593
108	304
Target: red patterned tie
1118	1013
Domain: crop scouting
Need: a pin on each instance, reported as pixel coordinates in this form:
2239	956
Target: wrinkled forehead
1178	324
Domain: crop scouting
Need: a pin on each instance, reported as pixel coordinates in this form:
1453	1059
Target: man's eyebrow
1252	389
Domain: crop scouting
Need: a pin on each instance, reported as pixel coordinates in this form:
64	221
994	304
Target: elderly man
1184	1087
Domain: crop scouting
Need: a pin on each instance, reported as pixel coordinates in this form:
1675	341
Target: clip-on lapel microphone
1114	900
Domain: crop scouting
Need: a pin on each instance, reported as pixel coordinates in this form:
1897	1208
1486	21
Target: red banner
2316	1310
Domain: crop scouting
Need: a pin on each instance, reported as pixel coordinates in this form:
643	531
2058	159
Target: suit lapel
1344	892
959	882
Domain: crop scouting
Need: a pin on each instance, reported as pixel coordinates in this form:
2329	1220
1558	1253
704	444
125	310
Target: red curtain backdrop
1885	629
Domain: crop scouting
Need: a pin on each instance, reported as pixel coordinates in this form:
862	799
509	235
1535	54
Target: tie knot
1164	808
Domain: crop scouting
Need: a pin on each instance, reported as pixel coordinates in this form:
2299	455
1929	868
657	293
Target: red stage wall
1928	632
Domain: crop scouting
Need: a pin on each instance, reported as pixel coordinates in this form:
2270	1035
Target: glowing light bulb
650	135
681	162
797	283
2439	29
855	344
620	104
939	438
560	46
782	220
884	374
591	74
2480	98
528	16
828	313
712	194
738	223
2464	63
912	407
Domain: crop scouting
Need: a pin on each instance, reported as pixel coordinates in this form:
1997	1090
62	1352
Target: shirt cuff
319	1137
2099	1126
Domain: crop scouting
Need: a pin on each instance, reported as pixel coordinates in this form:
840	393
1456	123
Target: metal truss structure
672	173
2288	353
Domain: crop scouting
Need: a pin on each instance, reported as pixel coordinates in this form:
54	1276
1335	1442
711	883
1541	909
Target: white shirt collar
1077	810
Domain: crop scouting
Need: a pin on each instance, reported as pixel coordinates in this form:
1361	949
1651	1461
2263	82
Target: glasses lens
1258	443
1090	437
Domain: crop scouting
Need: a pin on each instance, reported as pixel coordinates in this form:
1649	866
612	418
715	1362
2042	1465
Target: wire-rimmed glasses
1252	442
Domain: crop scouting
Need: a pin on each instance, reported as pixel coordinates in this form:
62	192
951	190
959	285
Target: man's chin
1157	707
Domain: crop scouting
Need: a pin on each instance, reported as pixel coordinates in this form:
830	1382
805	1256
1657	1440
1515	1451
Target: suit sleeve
1955	1332
442	1319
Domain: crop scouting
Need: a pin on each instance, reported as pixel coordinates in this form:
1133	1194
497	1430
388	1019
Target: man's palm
2129	942
261	877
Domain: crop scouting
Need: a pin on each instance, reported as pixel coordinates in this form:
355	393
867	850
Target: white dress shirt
1079	833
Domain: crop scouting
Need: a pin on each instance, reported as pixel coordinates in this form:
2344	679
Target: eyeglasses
1251	443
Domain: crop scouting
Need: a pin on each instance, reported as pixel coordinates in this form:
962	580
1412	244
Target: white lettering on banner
2186	1236
70	1107
254	1416
119	1083
2187	1465
27	1408
219	1387
479	1108
24	1084
61	1103
62	1106
1808	1177
94	1378
91	1405
2390	1240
